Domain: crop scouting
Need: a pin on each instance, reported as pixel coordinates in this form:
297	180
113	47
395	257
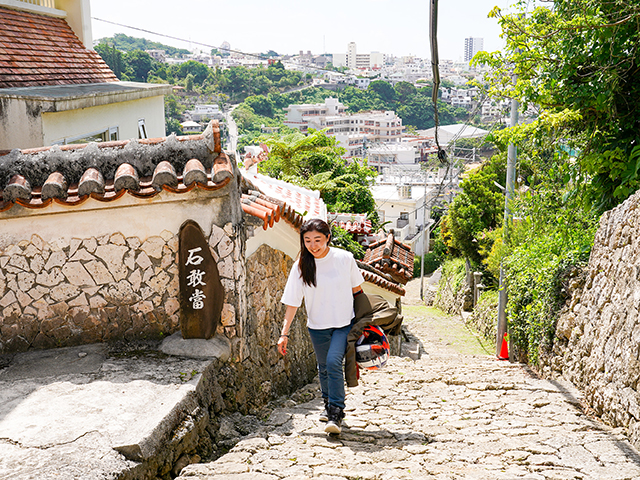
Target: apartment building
352	131
360	61
471	47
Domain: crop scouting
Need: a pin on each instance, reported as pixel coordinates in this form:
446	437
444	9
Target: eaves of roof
392	257
191	152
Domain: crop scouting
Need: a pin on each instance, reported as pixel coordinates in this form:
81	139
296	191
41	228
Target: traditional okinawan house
357	225
391	257
93	245
55	89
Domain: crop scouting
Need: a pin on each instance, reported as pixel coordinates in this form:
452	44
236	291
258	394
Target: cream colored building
64	92
351	130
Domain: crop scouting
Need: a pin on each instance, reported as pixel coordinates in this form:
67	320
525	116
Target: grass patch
448	330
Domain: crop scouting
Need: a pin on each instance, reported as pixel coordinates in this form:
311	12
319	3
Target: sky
396	27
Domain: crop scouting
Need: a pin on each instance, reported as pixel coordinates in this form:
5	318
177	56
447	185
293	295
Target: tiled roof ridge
384	242
375	276
392	257
56	188
269	209
359	225
37	50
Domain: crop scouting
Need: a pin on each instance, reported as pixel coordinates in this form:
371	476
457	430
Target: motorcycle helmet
372	348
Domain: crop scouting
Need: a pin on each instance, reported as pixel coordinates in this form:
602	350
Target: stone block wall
597	342
112	287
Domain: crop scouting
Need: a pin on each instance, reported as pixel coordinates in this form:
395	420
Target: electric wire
254	55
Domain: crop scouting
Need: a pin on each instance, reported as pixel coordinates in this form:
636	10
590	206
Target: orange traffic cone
504	349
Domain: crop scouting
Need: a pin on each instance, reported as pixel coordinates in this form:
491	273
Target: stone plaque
201	292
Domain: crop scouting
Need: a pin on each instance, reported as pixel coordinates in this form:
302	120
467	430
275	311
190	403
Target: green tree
198	70
173	126
112	57
139	63
479	207
404	91
582	57
314	161
188	85
384	90
260	105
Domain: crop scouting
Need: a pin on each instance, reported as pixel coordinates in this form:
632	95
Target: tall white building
471	47
361	61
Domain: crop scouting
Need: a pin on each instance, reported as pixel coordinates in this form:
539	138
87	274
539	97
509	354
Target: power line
254	55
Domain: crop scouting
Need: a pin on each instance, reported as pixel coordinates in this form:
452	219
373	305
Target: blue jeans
330	346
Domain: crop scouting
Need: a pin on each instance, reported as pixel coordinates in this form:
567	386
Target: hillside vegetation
577	63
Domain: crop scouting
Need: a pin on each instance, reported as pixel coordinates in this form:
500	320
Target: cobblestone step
441	416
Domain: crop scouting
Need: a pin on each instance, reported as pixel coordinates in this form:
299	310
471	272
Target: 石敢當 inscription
201	292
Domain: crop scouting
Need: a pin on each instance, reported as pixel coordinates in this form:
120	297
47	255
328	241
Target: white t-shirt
330	303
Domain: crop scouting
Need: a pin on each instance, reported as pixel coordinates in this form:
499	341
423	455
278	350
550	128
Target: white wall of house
402	206
339	60
125	116
129	215
281	236
30	122
19	128
78	18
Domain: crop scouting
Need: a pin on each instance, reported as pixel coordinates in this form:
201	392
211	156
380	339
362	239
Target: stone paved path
442	416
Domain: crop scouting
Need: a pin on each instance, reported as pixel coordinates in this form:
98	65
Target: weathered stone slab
201	292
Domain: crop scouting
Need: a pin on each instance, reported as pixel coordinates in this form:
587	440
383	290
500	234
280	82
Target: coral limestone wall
597	344
97	289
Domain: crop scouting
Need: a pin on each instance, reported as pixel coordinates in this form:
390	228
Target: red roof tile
41	50
352	222
55	189
392	257
306	202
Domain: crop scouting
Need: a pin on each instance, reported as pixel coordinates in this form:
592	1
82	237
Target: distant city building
451	133
471	47
360	61
191	127
351	131
158	55
204	112
308	59
225	48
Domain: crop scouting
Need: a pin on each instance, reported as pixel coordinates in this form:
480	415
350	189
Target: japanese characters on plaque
195	278
201	291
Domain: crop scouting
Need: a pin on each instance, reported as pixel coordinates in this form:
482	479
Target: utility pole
511	173
425	236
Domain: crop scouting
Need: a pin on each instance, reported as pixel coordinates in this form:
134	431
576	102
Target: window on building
404	215
106	135
142	129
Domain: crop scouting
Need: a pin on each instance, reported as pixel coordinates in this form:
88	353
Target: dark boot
324	416
334	425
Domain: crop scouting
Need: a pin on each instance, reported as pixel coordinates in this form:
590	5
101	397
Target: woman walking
326	278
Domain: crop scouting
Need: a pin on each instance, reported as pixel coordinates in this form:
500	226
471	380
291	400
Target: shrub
452	285
342	239
535	272
431	263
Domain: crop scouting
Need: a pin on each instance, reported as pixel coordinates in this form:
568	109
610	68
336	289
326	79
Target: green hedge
431	264
536	272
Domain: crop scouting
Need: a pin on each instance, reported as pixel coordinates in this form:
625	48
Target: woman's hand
282	345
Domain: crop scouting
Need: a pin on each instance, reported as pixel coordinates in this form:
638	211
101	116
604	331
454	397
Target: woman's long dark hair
307	260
